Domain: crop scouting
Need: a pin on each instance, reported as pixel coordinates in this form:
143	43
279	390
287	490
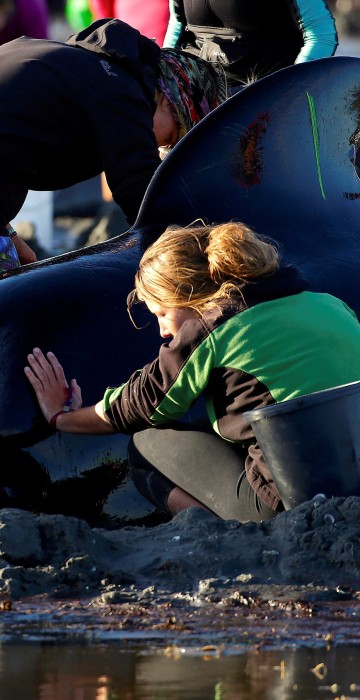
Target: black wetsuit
71	110
253	37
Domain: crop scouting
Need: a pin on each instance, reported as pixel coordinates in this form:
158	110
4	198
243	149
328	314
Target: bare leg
180	500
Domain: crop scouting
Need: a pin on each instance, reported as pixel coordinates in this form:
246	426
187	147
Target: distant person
252	38
23	17
18	18
105	100
242	331
151	18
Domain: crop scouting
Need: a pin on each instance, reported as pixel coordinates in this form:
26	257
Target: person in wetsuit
104	100
252	38
242	331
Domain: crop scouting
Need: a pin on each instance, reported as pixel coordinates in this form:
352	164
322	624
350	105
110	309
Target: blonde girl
241	331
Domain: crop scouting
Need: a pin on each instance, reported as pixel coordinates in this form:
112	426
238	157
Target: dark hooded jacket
71	110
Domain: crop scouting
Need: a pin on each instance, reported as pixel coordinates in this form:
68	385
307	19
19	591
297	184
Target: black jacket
70	110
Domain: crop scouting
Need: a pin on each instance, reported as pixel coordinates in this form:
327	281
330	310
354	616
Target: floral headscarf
8	255
193	86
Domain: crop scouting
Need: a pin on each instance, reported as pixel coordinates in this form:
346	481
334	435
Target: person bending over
104	100
243	331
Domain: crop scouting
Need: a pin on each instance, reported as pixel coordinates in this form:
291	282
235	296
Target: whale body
280	156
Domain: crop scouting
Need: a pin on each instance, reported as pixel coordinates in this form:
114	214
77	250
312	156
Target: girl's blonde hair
199	266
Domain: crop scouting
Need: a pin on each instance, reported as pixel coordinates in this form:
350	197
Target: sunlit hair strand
200	266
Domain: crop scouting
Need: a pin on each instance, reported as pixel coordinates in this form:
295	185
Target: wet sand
317	543
184	579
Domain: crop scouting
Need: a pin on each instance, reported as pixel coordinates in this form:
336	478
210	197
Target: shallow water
282	649
47	672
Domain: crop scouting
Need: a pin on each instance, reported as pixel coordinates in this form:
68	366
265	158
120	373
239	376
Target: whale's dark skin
279	156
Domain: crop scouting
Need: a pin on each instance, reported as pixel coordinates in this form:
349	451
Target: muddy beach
194	581
316	543
195	608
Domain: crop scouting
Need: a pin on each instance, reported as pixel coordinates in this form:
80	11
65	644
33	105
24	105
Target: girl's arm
90	420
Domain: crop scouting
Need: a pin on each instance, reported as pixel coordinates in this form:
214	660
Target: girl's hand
47	377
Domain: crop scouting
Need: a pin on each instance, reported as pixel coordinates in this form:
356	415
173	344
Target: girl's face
165	128
170	319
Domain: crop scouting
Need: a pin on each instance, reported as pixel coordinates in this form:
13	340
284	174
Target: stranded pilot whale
280	155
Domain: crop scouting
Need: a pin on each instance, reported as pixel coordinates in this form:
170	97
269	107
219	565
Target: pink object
151	18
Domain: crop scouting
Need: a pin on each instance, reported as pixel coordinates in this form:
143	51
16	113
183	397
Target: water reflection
43	672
